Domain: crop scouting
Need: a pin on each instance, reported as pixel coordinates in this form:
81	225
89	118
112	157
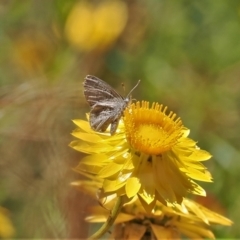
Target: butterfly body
106	104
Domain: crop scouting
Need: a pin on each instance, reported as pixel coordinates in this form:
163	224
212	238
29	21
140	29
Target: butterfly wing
96	90
105	113
100	118
106	104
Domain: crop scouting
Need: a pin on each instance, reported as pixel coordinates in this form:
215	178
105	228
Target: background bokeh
187	55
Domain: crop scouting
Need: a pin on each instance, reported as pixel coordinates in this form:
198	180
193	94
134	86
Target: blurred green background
187	55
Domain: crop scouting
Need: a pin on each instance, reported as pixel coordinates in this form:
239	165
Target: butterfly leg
114	126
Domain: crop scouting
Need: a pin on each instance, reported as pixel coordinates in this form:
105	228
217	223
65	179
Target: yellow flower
31	51
95	26
6	227
150	156
189	219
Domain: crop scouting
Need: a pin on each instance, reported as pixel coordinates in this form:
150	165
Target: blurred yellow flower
150	157
6	227
31	51
189	219
95	26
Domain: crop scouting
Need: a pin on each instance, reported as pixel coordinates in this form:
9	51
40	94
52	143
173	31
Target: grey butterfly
106	104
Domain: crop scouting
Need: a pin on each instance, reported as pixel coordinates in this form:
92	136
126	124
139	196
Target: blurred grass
187	55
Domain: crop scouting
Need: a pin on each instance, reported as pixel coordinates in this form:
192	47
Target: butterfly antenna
134	88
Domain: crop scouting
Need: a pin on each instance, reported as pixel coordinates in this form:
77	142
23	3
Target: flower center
150	130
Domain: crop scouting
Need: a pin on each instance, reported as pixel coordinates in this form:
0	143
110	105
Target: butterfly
106	104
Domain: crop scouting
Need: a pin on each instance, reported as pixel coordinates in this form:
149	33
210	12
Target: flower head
189	219
150	156
150	130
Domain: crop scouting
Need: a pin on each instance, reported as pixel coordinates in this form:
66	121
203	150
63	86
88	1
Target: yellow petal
132	186
200	155
89	187
109	170
185	143
198	189
145	174
148	207
111	186
88	148
92	164
196	210
212	217
84	125
190	164
88	137
193	230
199	175
163	179
185	132
96	159
123	217
148	198
127	162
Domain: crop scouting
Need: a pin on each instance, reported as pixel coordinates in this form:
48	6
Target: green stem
111	218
